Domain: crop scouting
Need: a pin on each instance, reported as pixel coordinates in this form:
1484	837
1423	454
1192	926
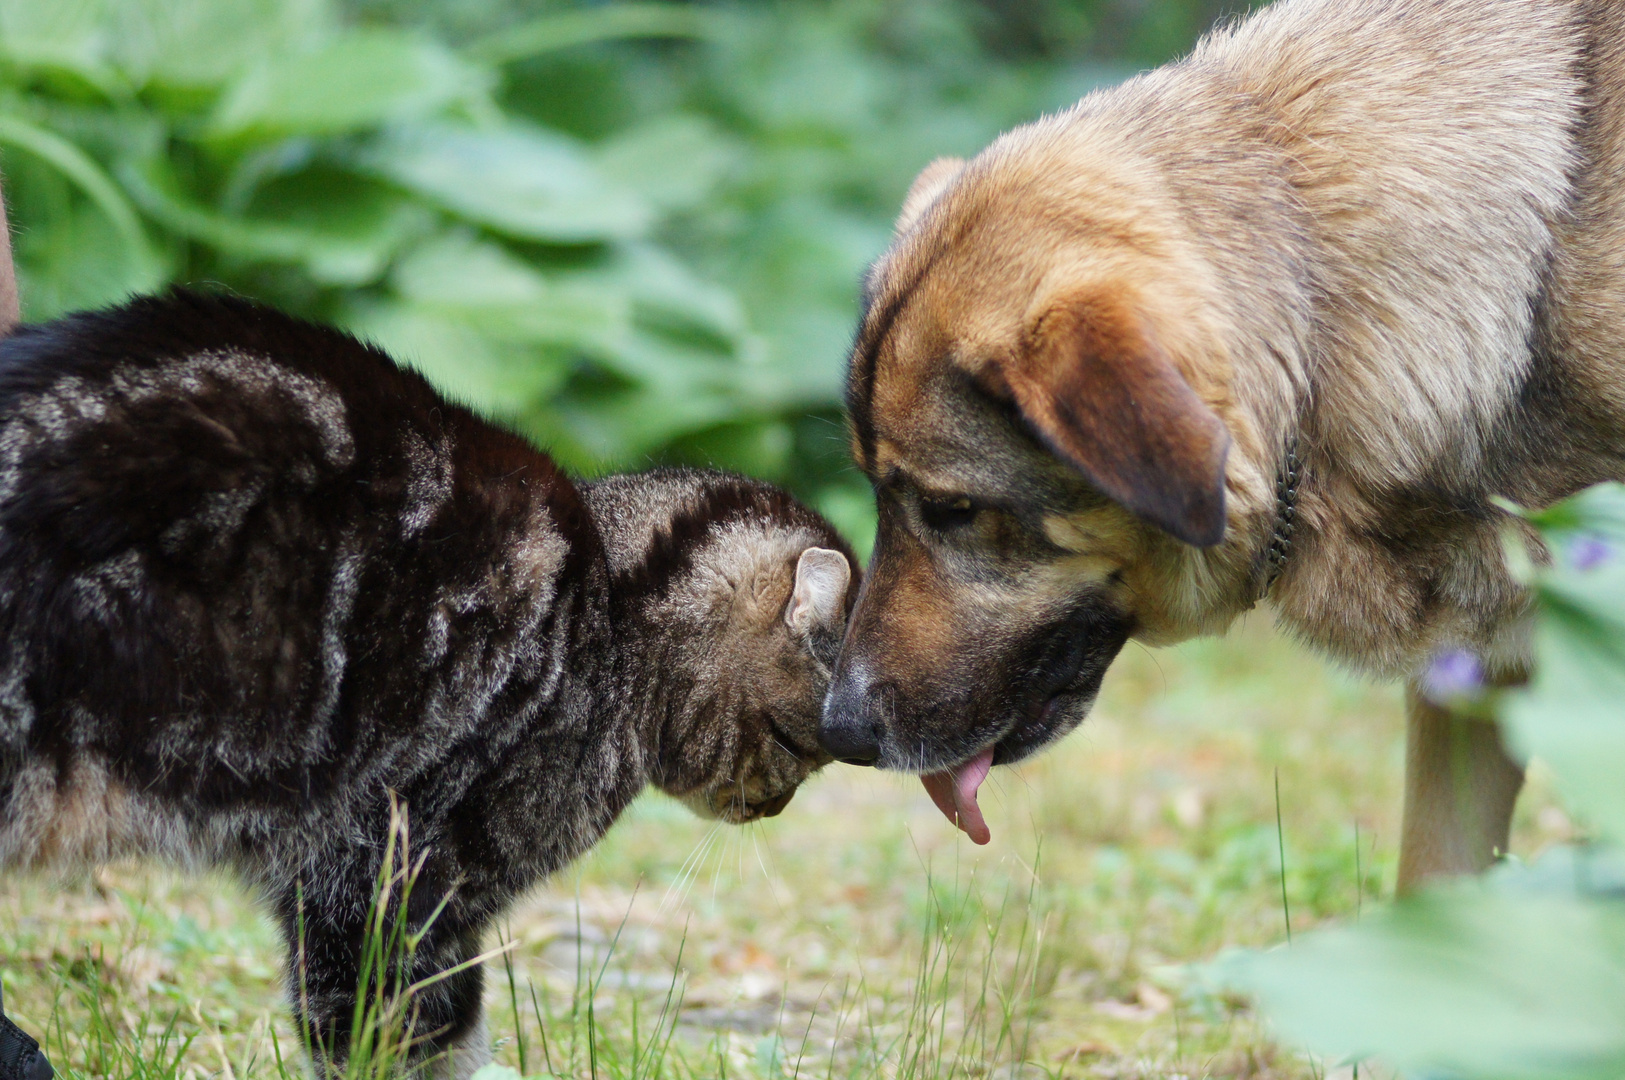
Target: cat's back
249	561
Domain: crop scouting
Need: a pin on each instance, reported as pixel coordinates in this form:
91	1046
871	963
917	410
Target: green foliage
1522	975
634	231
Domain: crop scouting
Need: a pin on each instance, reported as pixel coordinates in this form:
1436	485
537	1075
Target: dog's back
1583	318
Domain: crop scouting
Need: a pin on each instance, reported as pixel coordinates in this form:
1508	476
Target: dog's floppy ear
931	182
1101	392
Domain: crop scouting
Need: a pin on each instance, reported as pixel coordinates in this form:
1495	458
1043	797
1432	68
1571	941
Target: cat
259	585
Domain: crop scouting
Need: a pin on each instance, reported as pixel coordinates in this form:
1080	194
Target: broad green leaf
618	430
122	45
1459	981
483	285
672	161
670	391
1573	713
358	79
522	181
569	28
204	44
758	445
850	507
349	241
454	353
64	264
136	266
1599	509
666	291
71	36
1589	870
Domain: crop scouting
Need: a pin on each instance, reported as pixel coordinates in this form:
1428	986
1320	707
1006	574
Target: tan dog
1298	307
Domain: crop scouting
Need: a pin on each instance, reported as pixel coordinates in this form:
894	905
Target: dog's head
1041	418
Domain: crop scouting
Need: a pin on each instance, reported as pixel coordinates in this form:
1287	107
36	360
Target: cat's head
742	594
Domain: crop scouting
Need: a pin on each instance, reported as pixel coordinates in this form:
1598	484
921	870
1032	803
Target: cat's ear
818	601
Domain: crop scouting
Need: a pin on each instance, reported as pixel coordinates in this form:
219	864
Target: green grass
856	935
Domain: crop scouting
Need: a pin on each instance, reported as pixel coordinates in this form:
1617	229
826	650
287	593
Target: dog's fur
1390	230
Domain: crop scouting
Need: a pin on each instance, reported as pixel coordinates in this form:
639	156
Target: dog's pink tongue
954	792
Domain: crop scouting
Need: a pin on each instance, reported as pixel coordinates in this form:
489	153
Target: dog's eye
945	515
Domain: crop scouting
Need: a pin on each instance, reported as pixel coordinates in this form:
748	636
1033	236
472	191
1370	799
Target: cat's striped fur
256	581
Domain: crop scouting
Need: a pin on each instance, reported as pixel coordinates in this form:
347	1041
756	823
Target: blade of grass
1280	843
513	1001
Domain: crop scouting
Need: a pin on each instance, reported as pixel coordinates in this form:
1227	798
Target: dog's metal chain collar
1286	516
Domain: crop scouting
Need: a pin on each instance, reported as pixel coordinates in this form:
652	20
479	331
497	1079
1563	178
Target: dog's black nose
848	732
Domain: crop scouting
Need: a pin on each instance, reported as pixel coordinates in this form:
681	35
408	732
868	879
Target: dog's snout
847	731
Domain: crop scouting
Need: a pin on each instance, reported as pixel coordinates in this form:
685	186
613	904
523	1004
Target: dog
1281	320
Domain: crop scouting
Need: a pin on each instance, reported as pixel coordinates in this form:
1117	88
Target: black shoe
20	1056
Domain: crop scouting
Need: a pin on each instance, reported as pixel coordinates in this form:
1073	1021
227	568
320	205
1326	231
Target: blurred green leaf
123	45
358	79
1523	975
620	425
1460	981
348	241
1599	510
668	294
1573	713
674	162
453	352
70	36
482	284
63	264
518	180
850	507
583	27
203	44
140	267
761	445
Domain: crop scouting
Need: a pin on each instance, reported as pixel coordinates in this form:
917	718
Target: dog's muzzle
848	731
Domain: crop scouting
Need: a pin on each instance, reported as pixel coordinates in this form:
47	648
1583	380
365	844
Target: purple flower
1589	552
1453	674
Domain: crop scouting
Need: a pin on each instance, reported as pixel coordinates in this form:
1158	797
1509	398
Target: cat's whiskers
683	883
772	878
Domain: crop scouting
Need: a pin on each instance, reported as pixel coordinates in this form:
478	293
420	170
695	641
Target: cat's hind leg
448	1015
405	1001
464	1055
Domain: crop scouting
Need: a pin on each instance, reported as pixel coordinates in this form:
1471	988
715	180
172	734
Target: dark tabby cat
256	581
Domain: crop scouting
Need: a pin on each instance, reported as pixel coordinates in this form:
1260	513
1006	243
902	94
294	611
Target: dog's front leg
1460	788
